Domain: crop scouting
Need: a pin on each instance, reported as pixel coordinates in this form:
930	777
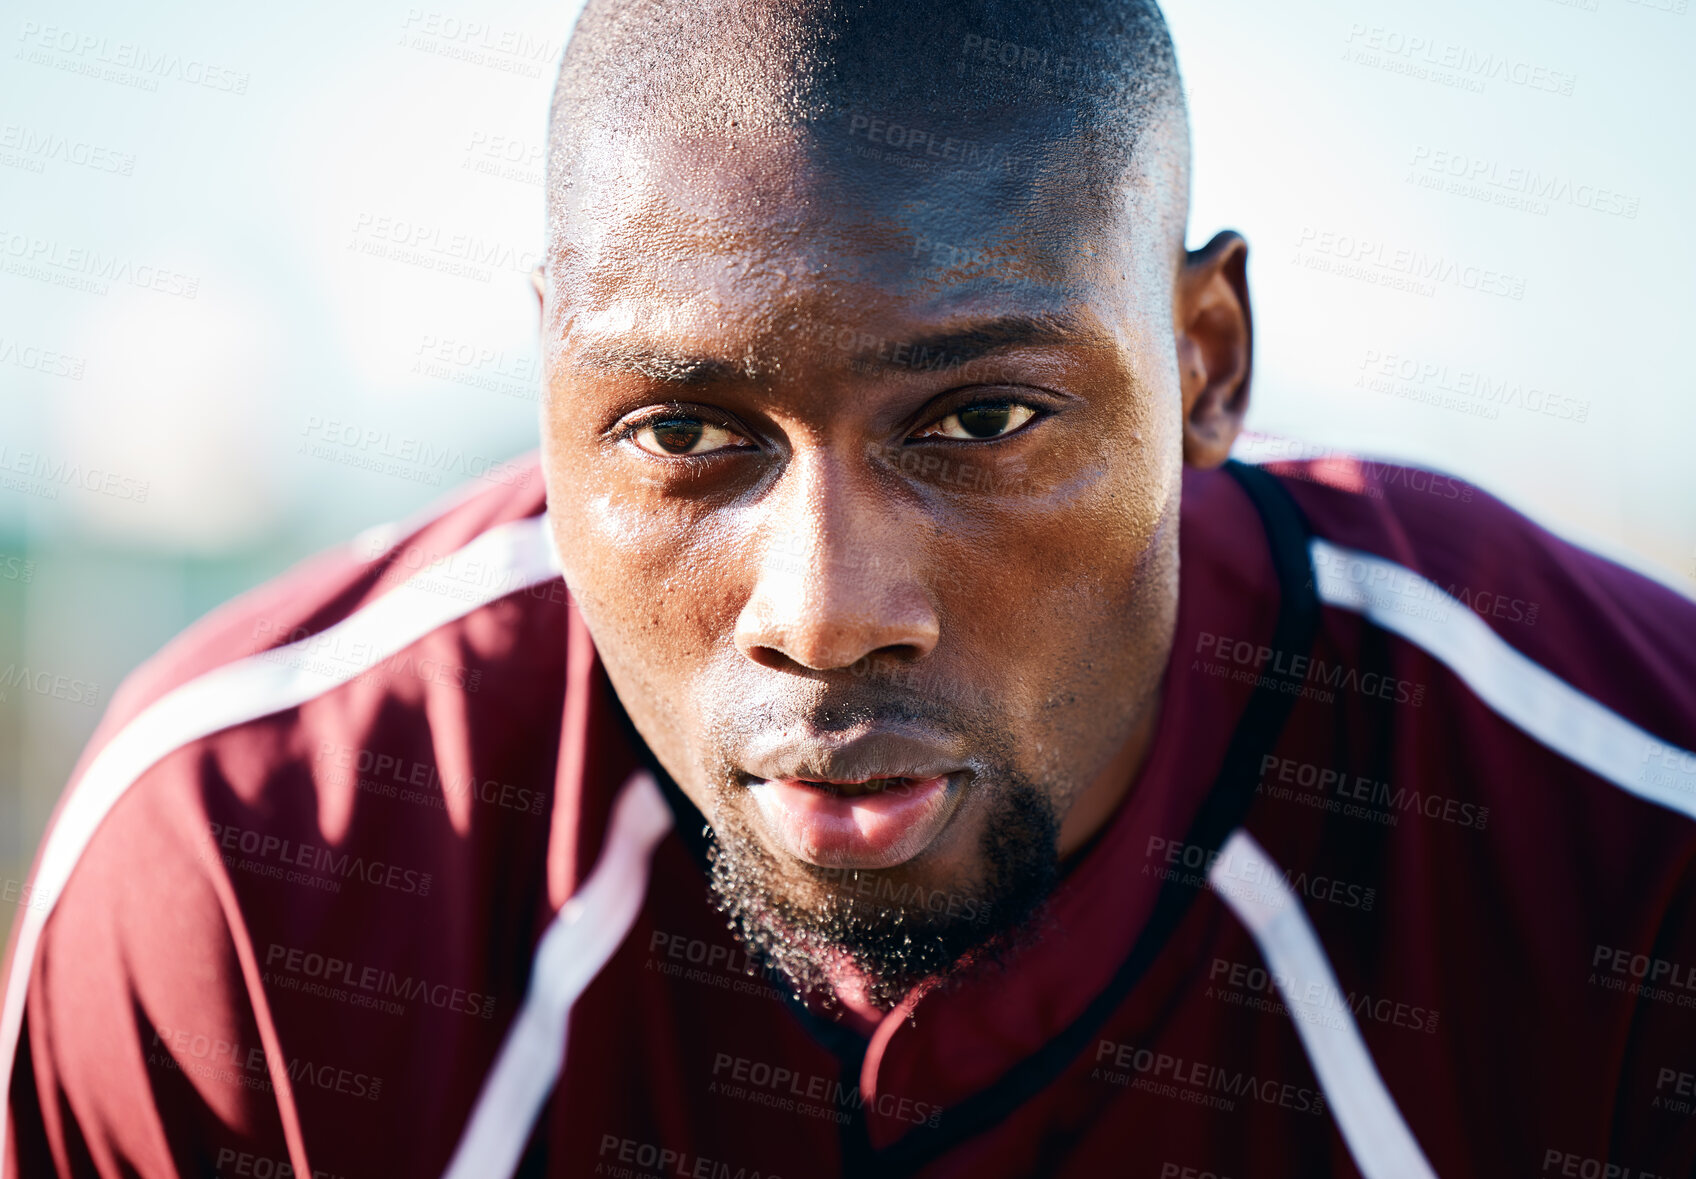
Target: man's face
866	484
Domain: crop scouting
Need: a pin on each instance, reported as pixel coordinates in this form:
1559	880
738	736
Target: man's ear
1215	339
539	281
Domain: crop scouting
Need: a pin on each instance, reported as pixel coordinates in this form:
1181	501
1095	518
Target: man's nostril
772	658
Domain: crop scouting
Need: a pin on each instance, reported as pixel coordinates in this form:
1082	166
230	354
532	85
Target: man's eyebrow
973	341
948	348
659	364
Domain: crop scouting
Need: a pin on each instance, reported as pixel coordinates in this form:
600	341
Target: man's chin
913	923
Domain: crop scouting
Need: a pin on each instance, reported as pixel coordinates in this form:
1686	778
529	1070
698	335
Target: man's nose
840	575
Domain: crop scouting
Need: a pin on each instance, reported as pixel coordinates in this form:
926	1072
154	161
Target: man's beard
894	934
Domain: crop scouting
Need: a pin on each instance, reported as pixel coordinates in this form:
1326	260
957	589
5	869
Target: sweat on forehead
900	98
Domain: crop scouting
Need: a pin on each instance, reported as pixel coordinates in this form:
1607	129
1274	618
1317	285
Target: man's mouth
864	823
862	786
867	798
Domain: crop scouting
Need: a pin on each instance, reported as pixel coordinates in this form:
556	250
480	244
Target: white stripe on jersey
580	940
1254	887
1537	701
521	551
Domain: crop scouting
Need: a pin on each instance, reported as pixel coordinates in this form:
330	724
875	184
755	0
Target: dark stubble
800	920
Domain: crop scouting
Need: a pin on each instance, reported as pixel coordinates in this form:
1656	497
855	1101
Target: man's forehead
766	213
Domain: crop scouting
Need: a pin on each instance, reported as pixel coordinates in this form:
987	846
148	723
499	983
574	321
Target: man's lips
874	823
855	756
870	797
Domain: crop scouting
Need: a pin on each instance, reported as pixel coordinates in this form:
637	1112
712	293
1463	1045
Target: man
904	744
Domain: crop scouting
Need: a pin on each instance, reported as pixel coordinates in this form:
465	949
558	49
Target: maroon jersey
367	875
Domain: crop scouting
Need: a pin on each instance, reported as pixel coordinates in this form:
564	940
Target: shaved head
1071	108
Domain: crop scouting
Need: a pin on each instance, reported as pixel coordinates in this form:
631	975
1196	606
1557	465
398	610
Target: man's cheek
617	552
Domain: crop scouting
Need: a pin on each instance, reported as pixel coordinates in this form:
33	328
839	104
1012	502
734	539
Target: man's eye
980	421
683	435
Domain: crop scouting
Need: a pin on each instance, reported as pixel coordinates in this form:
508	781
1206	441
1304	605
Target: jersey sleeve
142	1051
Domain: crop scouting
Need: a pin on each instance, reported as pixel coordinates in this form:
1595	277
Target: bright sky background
1311	130
276	153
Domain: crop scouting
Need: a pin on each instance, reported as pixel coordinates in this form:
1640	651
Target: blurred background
263	284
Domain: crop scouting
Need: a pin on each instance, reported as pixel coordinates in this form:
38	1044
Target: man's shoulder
482	543
1412	542
324	757
375	660
1487	776
1587	657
